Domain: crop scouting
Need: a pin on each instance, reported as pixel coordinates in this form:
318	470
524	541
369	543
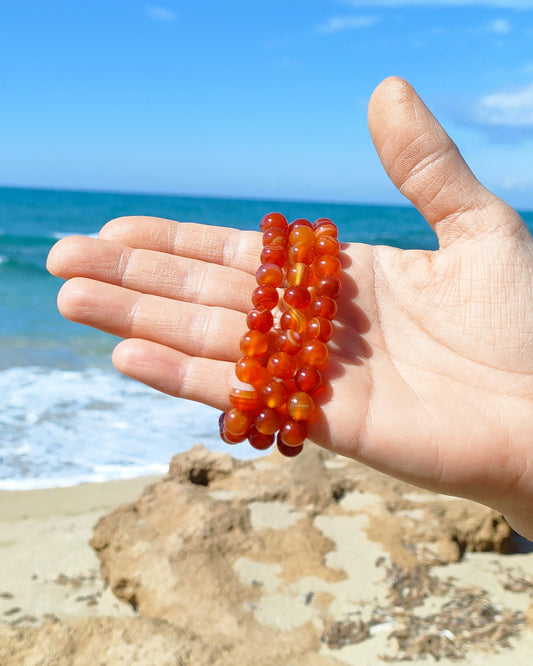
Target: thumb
426	166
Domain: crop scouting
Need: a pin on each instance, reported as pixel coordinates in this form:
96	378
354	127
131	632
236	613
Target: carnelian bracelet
281	370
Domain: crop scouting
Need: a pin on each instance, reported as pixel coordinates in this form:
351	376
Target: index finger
217	245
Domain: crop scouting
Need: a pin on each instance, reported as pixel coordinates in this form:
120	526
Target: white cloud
502	4
500	26
507	110
341	23
160	13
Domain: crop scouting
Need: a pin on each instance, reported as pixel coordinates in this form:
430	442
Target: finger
426	166
151	272
194	329
219	245
173	372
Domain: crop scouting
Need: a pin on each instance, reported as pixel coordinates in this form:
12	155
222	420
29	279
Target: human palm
431	367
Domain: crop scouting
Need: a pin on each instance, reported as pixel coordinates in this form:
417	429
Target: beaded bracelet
283	360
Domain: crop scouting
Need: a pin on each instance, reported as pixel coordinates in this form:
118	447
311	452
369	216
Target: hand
431	370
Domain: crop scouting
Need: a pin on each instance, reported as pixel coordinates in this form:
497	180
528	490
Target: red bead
260	320
288	451
248	370
265	297
319	328
301	234
275	236
324	306
300	275
237	422
274	394
267	421
289	341
329	285
269	275
297	297
281	365
245	398
300	222
325	227
314	353
260	441
227	436
301	252
254	343
327	245
308	379
328	265
273	220
293	433
274	254
301	406
294	320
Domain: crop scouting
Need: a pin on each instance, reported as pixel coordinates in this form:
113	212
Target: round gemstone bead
300	275
281	365
288	451
260	320
325	227
300	222
237	422
302	234
273	220
325	306
274	254
248	370
297	297
301	406
275	236
293	433
319	328
265	297
329	285
294	320
254	343
314	353
267	421
259	440
269	275
301	252
327	245
328	265
289	341
274	394
244	397
308	379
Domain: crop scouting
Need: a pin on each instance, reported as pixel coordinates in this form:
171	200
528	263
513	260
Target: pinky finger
173	372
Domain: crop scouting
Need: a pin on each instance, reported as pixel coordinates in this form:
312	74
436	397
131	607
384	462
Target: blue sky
256	98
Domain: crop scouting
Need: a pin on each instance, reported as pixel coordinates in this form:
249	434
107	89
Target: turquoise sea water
67	416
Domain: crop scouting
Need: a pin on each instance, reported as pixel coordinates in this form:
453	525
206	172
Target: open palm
431	368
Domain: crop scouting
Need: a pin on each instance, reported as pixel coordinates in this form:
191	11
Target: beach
315	561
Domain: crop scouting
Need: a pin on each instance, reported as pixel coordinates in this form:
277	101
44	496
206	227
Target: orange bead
237	422
308	379
265	297
260	441
248	370
267	421
273	220
325	227
254	343
225	435
327	245
302	234
300	222
260	320
294	320
288	451
274	254
301	252
328	265
275	236
297	297
274	394
329	285
324	306
319	328
269	275
293	433
300	275
281	365
301	406
289	341
314	353
245	398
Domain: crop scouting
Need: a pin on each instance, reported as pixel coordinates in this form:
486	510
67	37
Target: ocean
67	416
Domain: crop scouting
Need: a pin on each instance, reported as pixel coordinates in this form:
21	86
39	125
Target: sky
256	98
